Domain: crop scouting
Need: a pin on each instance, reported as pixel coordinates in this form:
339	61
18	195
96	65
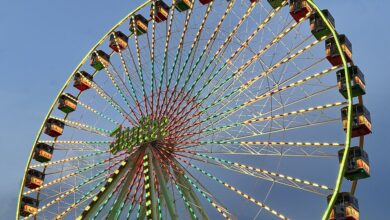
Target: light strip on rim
340	175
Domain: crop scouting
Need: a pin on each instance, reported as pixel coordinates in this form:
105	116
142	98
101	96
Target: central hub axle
147	132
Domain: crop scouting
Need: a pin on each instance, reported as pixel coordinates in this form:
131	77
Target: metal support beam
166	194
116	209
112	182
188	191
149	186
141	212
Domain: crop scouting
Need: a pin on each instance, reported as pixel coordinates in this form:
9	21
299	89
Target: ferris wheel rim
146	3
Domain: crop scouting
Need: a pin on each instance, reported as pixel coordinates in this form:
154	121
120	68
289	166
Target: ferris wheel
187	109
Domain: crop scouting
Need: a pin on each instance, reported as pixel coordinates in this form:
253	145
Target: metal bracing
115	211
109	188
149	186
189	192
166	194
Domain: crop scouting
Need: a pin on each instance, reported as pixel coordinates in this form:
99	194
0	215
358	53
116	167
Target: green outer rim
350	102
340	175
62	90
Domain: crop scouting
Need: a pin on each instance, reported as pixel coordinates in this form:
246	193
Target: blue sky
42	41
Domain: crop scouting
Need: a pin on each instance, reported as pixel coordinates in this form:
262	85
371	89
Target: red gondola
361	120
332	52
34	179
118	41
204	2
161	11
82	81
54	127
299	9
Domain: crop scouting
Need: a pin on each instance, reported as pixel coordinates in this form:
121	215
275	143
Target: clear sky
42	41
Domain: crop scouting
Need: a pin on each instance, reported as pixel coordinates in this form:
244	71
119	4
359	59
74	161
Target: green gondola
28	206
100	60
358	165
67	103
183	5
275	3
358	84
43	152
317	25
